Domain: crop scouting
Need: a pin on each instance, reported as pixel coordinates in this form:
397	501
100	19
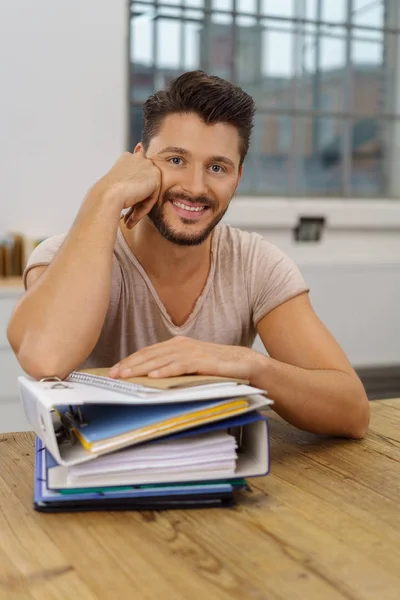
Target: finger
162	347
153	364
150	352
140	210
173	369
136	361
158	351
129	214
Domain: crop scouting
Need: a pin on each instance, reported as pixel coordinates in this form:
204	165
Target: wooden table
325	524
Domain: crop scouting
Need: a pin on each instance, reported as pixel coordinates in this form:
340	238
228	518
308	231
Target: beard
157	217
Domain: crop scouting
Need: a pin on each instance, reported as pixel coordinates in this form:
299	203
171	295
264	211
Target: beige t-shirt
248	278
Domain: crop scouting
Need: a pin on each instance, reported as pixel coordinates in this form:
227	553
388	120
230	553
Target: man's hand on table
183	356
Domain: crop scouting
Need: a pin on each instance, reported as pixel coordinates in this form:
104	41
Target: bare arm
58	321
308	375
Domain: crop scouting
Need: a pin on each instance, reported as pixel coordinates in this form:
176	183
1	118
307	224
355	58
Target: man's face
200	172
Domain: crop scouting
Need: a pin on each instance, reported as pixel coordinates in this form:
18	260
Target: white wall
63	108
63	122
353	272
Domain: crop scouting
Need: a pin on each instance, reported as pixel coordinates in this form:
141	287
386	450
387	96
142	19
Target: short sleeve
274	278
43	254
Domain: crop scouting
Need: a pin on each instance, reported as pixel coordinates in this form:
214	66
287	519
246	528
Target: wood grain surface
324	525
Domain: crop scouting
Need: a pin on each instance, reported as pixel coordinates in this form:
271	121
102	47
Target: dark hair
213	99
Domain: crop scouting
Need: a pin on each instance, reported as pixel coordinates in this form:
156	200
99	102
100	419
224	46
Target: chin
185	238
186	232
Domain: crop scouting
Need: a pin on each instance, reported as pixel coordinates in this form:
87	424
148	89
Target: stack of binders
140	443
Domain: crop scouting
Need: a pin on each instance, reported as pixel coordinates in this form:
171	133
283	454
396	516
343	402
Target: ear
138	148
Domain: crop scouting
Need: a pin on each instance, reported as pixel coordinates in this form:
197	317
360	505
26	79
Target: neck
162	260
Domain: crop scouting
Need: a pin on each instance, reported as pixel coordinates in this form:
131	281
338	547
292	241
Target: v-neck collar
200	300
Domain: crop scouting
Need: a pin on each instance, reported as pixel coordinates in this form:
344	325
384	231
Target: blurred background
322	178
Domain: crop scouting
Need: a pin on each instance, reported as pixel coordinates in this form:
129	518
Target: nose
195	181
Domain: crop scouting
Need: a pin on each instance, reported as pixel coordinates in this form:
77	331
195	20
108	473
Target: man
147	282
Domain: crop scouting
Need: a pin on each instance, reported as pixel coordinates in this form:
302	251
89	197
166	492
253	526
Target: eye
175	160
217	169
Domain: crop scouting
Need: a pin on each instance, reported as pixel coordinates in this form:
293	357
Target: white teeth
190	208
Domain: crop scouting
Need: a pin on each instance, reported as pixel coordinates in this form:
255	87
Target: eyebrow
176	149
184	152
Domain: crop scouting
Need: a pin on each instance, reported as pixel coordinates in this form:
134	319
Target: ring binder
72	418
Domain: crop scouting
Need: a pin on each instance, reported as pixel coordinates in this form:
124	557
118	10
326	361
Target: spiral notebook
148	385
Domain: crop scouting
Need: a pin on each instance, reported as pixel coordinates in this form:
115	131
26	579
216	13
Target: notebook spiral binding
105	382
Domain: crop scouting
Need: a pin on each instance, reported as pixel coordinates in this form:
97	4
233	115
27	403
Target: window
324	74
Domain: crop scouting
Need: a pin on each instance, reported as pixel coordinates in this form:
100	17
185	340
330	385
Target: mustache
204	200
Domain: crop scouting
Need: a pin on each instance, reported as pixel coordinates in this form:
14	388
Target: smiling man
149	282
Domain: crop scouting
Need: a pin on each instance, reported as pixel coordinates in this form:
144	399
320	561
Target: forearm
58	321
321	401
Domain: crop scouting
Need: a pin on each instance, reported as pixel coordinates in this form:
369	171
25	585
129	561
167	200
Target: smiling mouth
189	208
192	212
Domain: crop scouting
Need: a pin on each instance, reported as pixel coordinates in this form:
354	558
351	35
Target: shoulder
249	245
44	252
270	276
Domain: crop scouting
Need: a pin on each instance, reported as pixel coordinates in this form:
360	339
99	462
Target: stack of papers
104	443
214	451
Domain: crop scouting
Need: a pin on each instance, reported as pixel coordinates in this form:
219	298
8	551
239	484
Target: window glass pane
169	12
246	6
222	4
277	51
279	8
216	47
135	126
367	53
311	9
141	47
334	11
368	81
389	96
266	169
320	83
245	20
264	63
318	156
248	56
219	17
192	45
333	50
194	3
168	46
369	14
390	172
194	14
367	177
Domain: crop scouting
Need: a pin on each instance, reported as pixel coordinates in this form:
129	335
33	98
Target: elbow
360	415
39	364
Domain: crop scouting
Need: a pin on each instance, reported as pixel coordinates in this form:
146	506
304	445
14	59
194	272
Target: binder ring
59	383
